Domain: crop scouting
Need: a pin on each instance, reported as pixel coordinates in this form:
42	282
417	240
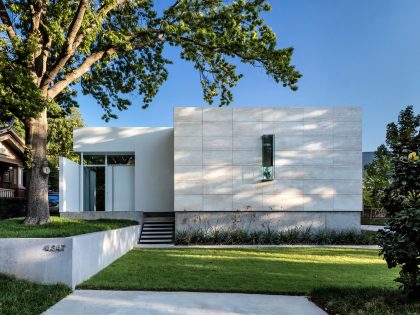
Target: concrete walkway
91	302
372	227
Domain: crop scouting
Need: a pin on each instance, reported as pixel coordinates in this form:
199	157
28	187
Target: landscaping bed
19	297
58	227
292	236
364	301
268	270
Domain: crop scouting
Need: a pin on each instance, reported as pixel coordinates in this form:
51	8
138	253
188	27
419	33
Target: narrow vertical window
267	157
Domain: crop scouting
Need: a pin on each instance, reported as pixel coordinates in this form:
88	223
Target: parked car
53	201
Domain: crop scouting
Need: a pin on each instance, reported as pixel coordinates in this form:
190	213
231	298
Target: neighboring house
11	164
223	168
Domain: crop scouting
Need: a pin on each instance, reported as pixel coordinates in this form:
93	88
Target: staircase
157	229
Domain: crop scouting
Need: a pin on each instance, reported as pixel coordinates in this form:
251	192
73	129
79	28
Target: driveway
94	302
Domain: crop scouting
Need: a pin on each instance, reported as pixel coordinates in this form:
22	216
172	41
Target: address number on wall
54	248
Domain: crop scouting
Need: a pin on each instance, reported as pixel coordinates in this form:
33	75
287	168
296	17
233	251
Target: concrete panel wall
267	220
69	183
82	256
154	169
217	157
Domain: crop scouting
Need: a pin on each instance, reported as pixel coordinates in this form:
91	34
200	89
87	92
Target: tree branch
5	18
42	59
102	13
76	42
81	70
68	49
93	58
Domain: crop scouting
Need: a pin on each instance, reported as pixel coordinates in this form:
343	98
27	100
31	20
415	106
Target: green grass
23	298
58	227
269	270
366	301
374	221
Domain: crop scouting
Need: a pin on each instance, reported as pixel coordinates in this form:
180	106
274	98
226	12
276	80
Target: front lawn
268	270
19	297
58	227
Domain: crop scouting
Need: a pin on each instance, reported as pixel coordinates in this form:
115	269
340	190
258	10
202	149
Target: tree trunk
36	130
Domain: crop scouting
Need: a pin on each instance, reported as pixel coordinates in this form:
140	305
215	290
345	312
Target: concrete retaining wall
264	220
67	260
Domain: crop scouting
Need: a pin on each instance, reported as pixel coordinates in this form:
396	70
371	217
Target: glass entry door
108	182
94	188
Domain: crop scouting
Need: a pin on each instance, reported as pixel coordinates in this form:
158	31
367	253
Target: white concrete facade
209	166
218	159
153	150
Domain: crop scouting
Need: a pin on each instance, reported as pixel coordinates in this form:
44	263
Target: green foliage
364	301
12	207
119	47
268	237
20	297
403	139
60	142
18	92
377	178
400	242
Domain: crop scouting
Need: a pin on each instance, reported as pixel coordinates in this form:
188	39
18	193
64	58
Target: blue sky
350	52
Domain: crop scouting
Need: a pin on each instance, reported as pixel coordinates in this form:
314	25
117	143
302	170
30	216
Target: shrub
12	207
270	237
400	242
403	140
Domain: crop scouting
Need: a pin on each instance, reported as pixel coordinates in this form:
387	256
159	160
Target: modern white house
223	168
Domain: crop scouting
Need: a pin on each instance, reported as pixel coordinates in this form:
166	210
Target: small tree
402	140
400	241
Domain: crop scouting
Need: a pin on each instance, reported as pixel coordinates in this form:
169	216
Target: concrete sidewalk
92	302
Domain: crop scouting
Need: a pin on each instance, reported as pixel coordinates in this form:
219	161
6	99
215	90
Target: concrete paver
96	302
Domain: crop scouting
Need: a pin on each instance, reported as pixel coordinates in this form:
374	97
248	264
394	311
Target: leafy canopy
115	47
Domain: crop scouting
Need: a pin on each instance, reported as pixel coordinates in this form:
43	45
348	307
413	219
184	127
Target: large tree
115	47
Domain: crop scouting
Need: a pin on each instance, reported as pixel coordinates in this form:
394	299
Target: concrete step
154	236
160	241
158	220
158	224
157	233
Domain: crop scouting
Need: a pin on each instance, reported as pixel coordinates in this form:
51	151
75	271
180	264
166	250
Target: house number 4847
54	248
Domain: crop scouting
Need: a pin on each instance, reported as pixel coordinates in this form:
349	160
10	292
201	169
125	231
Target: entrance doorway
108	182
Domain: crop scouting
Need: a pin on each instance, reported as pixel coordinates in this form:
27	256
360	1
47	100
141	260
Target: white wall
154	170
318	159
69	179
82	257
